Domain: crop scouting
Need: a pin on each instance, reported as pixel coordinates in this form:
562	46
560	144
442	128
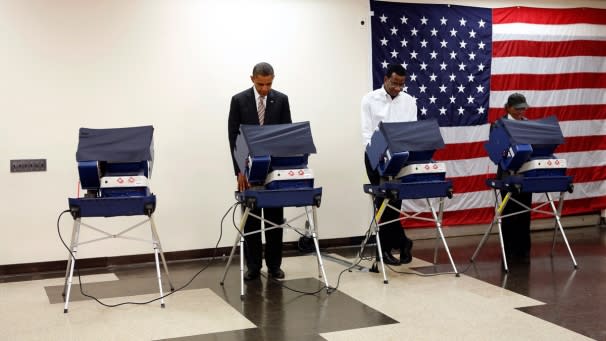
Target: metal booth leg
499	224
240	240
156	238
315	239
378	215
438	219
69	258
494	220
499	207
71	262
158	274
557	214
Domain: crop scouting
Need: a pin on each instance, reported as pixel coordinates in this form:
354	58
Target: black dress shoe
406	251
277	273
388	258
252	275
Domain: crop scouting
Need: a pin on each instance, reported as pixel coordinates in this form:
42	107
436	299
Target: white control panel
542	164
422	168
124	181
289	174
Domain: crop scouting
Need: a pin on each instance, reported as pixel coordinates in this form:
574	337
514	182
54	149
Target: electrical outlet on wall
28	165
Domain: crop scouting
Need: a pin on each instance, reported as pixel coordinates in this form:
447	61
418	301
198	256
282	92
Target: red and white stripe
557	59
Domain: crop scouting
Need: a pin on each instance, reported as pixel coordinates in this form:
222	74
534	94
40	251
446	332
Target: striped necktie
261	111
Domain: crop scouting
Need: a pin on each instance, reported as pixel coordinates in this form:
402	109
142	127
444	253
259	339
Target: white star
460	110
481	67
422	88
480	88
452	77
481	45
404	65
452	99
472	56
434	32
462	66
463	44
461	88
394	53
423	111
413	77
384	64
384	41
443	88
414	97
453	32
472	34
423	43
470	78
405	89
480	110
443	21
443	43
413	54
404	20
433	54
453	55
414	31
404	42
443	66
423	66
462	22
424	20
432	77
432	99
383	18
394	30
481	22
442	111
470	99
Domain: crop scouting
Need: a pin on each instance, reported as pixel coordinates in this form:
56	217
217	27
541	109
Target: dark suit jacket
243	110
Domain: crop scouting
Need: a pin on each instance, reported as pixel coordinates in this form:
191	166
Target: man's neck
392	97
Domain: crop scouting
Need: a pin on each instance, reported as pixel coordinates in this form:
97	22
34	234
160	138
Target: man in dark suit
516	228
259	105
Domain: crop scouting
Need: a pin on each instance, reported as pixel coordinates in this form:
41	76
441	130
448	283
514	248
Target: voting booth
114	167
402	155
274	160
523	151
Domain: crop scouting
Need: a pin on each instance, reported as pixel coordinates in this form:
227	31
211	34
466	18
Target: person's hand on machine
242	182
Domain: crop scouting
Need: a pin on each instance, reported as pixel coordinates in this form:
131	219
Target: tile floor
546	300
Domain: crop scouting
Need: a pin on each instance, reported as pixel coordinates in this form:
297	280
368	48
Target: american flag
463	63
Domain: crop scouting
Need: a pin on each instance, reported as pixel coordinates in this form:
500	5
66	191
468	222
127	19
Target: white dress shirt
378	106
257	98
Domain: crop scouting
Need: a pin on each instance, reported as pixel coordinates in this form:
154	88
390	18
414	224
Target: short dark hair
395	68
263	69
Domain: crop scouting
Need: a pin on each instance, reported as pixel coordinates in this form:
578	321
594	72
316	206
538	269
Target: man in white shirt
388	104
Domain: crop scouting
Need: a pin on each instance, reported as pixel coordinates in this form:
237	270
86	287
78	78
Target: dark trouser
516	229
392	235
253	247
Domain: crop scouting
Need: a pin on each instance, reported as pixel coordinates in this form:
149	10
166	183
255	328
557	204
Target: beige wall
66	64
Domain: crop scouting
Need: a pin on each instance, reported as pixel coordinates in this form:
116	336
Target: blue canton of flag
446	51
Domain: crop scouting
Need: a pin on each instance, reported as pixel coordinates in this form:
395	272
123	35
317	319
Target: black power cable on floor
155	299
